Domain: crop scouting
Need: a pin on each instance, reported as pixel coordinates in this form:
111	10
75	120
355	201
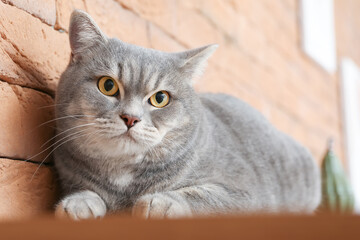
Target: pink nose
130	120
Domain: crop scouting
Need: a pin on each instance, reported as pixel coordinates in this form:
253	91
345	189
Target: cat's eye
108	86
160	99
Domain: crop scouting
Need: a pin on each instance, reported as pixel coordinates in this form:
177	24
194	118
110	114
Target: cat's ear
193	62
84	34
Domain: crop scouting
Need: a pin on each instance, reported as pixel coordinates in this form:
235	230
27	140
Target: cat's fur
200	155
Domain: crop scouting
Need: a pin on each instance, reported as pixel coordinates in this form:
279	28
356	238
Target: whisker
104	120
64	117
83	125
72	134
81	135
53	105
55	119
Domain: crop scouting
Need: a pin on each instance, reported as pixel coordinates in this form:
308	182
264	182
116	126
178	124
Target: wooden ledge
114	227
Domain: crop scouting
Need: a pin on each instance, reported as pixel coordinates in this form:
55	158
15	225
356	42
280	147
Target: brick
226	57
159	40
290	4
291	103
347	20
210	81
298	132
214	12
64	9
41	52
185	20
22	111
284	19
43	9
178	20
12	72
129	27
267	84
252	41
219	81
24	193
194	30
280	119
145	34
112	18
161	12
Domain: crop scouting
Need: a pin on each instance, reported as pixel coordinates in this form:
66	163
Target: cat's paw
160	206
81	205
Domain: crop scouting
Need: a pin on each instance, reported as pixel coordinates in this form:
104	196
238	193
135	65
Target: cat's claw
159	206
81	205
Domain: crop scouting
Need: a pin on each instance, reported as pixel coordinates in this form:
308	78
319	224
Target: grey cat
134	135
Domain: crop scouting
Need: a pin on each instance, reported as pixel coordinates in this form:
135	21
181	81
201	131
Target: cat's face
124	99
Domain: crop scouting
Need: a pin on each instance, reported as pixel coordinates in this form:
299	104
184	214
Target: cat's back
279	168
232	113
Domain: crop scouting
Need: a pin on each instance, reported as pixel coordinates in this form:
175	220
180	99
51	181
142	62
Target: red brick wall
259	60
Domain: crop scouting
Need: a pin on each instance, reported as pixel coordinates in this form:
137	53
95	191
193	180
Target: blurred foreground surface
115	227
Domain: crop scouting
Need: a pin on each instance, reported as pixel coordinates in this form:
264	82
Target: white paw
159	206
81	205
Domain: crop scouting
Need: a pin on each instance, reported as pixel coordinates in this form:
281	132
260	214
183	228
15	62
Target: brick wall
259	60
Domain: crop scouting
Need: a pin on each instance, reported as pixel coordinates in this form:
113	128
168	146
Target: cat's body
200	154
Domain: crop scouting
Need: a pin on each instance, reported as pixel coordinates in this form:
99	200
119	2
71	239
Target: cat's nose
129	121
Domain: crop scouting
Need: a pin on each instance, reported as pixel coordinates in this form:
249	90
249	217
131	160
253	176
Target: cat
133	135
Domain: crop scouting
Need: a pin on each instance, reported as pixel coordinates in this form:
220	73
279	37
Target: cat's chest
122	179
121	175
138	179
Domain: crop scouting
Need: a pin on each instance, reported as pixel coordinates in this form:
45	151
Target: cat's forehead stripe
120	71
131	72
140	76
159	80
150	80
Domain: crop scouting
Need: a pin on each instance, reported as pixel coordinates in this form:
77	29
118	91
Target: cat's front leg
161	205
207	199
81	205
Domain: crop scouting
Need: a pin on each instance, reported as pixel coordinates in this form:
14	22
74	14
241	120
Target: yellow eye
108	86
160	99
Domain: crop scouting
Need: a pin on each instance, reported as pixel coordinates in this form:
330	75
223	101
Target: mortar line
47	164
170	35
31	14
32	88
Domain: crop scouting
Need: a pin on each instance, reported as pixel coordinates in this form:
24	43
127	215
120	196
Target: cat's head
120	99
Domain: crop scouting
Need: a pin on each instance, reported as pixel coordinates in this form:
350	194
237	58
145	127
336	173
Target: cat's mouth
131	136
137	136
128	134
